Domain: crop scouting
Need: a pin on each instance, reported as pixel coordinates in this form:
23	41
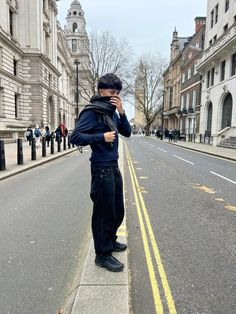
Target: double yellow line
144	220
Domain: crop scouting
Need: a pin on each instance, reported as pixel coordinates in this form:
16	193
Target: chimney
199	21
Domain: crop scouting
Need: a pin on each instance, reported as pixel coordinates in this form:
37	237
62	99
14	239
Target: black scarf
102	106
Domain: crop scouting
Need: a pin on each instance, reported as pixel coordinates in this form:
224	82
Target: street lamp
77	89
162	112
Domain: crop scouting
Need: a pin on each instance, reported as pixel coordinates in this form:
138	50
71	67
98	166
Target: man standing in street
99	126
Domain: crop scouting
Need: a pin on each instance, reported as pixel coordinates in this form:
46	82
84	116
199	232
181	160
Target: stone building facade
217	65
37	71
190	92
172	83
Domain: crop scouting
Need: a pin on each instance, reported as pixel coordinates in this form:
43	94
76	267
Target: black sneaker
109	262
119	247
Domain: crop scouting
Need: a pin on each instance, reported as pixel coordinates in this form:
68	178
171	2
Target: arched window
227	111
74	45
74	27
209	118
51	122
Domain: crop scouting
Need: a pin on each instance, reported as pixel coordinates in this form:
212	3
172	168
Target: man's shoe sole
114	270
120	250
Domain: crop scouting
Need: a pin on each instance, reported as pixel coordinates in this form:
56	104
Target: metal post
68	141
77	89
64	142
44	151
33	149
52	145
2	156
58	143
20	160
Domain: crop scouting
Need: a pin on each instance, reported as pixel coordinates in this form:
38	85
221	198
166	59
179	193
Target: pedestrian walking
170	135
29	135
47	135
37	134
98	126
58	133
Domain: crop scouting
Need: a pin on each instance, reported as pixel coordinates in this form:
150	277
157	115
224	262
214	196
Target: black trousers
108	206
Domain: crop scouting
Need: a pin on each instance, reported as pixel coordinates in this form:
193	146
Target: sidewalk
11	158
222	152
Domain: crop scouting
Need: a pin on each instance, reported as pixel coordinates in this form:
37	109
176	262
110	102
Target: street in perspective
117	157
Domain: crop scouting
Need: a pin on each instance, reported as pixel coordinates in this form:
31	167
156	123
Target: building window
1	57
1	101
189	73
187	101
46	44
235	19
11	21
182	102
74	45
226	5
222	71
215	38
208	78
210	42
212	76
216	13
171	97
17	98
233	64
225	27
75	26
15	67
194	99
212	18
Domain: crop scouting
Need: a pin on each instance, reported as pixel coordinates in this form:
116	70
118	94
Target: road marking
192	163
219	199
155	290
203	188
230	207
219	175
162	150
160	267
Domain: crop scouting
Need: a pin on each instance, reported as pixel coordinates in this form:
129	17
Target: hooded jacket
97	118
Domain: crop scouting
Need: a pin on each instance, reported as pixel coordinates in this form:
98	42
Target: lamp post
162	112
77	89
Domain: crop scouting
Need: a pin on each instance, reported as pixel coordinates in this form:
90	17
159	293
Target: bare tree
106	55
145	84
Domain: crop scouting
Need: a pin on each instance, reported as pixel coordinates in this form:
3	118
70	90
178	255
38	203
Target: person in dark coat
47	135
58	133
99	126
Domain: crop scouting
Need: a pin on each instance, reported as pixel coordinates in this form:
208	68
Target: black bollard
58	143
44	151
52	145
19	152
2	156
33	149
68	141
64	142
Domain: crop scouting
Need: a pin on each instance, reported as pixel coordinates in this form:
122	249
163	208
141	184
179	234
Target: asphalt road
181	215
45	233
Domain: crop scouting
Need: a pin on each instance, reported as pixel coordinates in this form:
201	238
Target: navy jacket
90	130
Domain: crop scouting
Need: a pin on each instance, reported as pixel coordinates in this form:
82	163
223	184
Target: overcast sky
146	24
